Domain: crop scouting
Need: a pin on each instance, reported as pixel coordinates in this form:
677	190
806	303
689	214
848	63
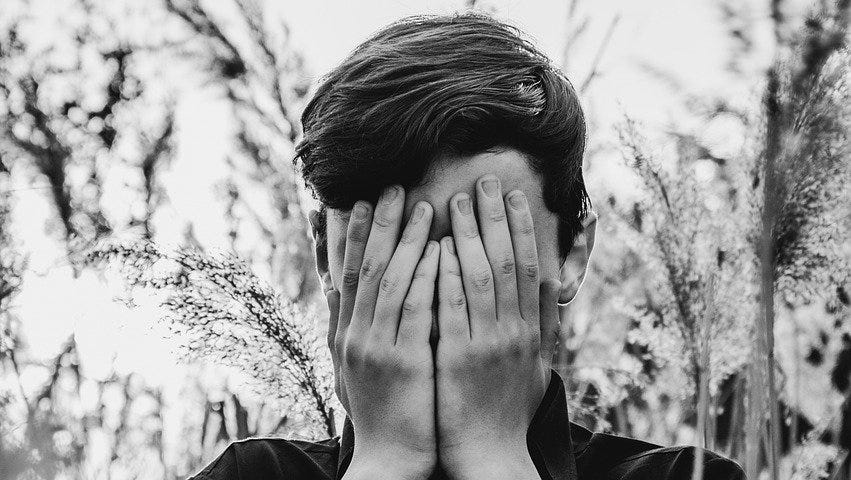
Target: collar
551	447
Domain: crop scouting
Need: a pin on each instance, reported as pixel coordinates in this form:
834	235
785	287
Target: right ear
575	266
318	227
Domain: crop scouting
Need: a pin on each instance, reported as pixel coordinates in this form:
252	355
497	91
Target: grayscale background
145	145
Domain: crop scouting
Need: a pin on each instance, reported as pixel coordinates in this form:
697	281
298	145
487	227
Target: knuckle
382	219
407	367
420	272
405	335
527	229
389	284
472	354
523	225
470	233
353	353
457	300
351	276
456	330
515	346
453	271
370	269
497	215
373	359
411	305
358	233
529	270
482	278
409	236
488	352
528	336
535	345
505	264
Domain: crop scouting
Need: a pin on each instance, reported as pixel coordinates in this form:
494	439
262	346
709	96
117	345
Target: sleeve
272	459
723	469
224	467
675	463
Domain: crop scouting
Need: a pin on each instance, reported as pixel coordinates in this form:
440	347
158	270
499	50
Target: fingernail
430	248
450	245
390	193
419	211
464	205
360	211
491	187
517	200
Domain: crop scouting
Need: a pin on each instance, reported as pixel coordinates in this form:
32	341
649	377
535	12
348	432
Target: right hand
381	319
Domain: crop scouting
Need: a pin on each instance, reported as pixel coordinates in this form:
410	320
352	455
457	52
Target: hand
491	371
382	320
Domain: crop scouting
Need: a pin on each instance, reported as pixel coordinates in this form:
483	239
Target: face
449	176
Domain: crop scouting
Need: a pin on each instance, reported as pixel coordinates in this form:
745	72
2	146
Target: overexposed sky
683	37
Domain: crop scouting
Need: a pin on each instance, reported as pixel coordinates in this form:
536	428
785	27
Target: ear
318	227
575	266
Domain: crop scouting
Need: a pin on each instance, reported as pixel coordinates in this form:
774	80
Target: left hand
492	368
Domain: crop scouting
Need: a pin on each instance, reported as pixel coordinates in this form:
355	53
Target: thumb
332	296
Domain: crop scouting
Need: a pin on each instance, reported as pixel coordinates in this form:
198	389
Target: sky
682	37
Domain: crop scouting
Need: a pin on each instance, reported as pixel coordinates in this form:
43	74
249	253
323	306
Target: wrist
491	462
390	464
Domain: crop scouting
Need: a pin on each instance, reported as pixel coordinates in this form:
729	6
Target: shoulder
273	458
601	455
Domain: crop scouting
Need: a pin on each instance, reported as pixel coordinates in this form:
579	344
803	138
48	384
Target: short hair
427	86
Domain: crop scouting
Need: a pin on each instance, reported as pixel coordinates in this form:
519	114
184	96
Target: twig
600	51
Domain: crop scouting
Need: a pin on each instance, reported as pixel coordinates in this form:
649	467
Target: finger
397	277
497	243
452	319
379	248
357	235
415	322
525	254
475	270
550	324
333	299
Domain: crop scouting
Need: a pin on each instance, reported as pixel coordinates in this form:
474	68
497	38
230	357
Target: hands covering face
468	405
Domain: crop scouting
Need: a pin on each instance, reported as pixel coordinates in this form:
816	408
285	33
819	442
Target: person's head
432	103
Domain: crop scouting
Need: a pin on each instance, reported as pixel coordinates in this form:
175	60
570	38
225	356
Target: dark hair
428	86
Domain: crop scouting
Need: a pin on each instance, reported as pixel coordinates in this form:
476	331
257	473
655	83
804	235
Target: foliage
249	56
812	459
46	432
70	108
775	220
701	283
224	312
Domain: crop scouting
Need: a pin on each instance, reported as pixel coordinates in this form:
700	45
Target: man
446	152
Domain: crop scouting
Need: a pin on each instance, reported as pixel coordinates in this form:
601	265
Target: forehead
449	175
452	174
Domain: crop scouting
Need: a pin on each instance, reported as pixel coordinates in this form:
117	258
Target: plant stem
770	209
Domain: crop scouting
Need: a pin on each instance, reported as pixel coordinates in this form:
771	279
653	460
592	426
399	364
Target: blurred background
157	290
